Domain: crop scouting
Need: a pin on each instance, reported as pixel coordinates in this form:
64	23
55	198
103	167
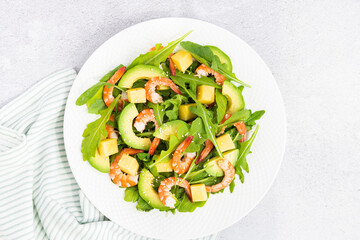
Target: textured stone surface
313	50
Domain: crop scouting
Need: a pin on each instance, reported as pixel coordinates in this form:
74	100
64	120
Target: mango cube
128	165
164	167
205	94
198	192
136	95
225	142
108	147
162	87
184	112
182	60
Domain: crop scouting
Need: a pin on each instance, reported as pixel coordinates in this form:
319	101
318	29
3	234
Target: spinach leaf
253	117
143	205
204	55
131	194
96	105
94	130
157	56
221	103
186	205
172	106
158	111
244	151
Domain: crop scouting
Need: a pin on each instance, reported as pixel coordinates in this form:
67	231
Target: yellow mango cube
198	192
108	147
225	142
182	60
164	167
184	112
136	95
162	87
128	165
205	94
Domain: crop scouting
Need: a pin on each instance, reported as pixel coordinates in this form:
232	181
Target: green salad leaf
253	117
107	76
143	205
240	116
204	55
190	78
221	103
131	194
158	112
244	151
94	130
89	93
185	205
157	56
172	106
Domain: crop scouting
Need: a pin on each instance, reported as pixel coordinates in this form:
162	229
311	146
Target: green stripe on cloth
39	197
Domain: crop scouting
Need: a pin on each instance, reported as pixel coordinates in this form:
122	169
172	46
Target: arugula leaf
131	194
143	205
240	116
189	78
107	76
210	127
96	105
89	93
204	55
175	102
253	117
197	130
221	103
244	151
145	157
232	186
94	130
157	56
186	205
158	111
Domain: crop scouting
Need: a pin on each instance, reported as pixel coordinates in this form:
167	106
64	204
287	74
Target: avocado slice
212	167
125	124
140	72
147	192
170	128
222	56
100	162
234	96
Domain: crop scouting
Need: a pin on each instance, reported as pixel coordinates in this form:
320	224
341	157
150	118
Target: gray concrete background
313	50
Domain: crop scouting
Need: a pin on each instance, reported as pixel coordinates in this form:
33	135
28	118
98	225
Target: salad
173	127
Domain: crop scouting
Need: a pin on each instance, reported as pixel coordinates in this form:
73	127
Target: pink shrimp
208	147
204	70
179	166
166	197
226	117
108	91
119	177
145	116
229	174
112	133
150	87
123	98
171	65
241	127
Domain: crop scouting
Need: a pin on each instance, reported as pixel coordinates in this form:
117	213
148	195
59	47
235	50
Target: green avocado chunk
140	72
125	124
235	98
212	167
224	59
170	128
147	192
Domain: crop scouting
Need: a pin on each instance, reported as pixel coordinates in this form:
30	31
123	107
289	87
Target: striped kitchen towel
39	197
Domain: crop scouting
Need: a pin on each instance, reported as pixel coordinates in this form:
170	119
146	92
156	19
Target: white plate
221	210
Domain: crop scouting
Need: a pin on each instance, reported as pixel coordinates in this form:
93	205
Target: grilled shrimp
204	70
229	174
178	165
119	177
208	147
166	197
150	87
145	116
108	91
